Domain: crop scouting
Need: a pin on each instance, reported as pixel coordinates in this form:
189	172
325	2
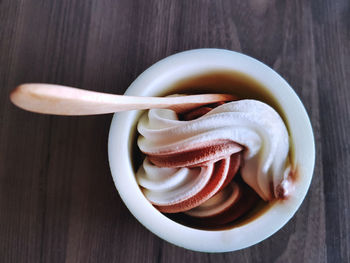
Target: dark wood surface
58	202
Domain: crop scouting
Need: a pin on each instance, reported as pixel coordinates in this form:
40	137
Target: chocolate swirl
190	163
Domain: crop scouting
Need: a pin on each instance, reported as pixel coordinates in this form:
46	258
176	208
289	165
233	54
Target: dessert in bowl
238	185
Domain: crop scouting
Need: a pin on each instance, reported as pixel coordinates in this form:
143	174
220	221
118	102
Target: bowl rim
194	62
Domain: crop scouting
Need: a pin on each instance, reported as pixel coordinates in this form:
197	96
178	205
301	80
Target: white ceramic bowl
157	81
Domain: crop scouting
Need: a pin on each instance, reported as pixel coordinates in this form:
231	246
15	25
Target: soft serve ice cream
214	163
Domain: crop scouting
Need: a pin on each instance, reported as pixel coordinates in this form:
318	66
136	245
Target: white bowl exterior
153	82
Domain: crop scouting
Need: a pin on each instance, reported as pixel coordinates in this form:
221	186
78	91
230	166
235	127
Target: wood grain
57	198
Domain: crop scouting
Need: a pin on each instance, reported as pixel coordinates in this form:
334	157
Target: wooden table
58	202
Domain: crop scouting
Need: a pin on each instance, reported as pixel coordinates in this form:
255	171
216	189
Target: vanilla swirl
188	163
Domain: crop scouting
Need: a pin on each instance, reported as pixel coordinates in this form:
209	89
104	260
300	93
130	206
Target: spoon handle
61	100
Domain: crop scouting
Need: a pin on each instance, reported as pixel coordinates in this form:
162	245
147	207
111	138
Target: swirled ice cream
191	164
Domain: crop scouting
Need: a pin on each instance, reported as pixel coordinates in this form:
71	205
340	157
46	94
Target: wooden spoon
60	100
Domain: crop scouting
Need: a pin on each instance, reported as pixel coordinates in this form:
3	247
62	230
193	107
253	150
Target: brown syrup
244	87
